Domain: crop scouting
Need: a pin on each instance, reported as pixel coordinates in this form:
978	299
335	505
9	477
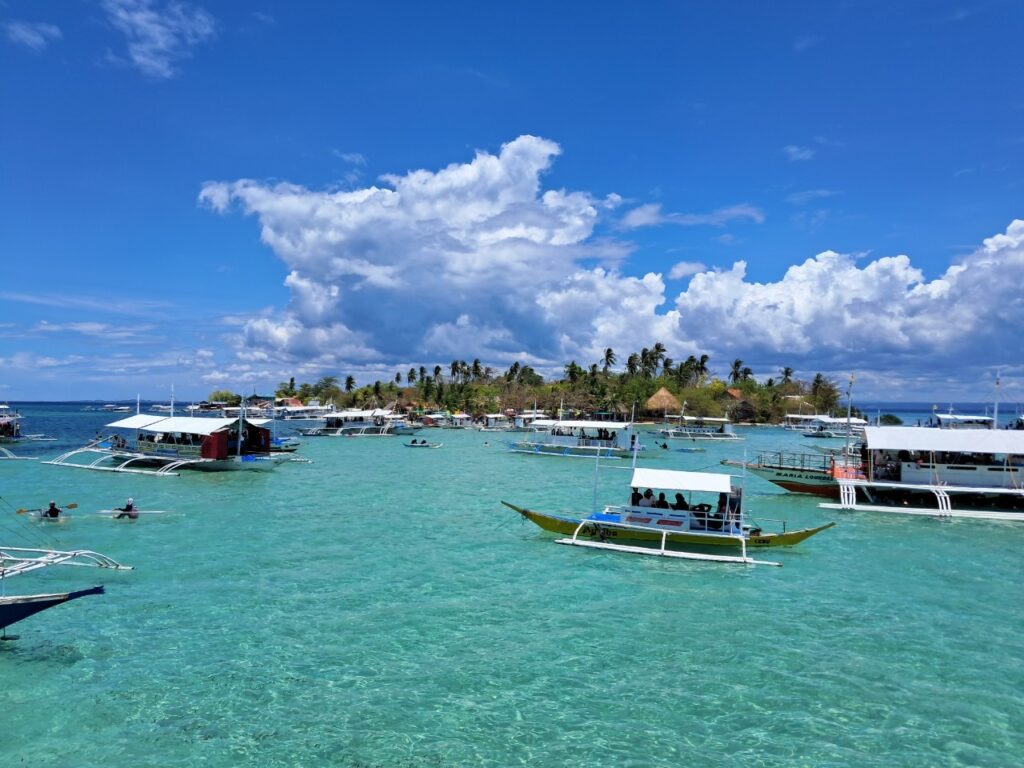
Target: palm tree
423	372
350	383
666	366
658	350
736	372
437	373
609	359
702	368
398	378
377	390
787	375
633	364
477	370
411	376
572	372
746	374
455	368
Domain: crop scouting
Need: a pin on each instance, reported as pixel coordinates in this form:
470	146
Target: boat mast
172	401
849	414
995	409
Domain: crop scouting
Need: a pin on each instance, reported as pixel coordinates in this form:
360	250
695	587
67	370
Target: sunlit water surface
379	607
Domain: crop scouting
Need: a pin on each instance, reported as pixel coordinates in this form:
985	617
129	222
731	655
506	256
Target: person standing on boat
129	510
52	512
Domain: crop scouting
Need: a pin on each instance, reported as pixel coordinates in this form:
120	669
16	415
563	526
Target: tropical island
650	382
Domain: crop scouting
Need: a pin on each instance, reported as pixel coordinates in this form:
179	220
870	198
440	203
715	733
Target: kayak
422	445
116	512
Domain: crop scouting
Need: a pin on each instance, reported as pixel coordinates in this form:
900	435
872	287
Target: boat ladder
847	495
945	506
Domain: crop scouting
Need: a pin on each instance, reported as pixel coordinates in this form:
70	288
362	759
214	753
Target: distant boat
699	428
576	439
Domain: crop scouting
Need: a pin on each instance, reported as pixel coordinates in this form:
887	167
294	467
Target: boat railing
662	549
791	460
588	442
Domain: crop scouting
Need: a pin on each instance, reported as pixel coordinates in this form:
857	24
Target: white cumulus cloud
480	259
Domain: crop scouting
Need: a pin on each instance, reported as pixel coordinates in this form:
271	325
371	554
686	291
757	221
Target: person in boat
52	512
129	510
664	446
662	502
634	498
648	499
680	503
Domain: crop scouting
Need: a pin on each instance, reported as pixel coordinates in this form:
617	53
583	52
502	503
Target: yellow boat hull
595	529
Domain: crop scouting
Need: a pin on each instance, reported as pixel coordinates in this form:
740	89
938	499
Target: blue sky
830	186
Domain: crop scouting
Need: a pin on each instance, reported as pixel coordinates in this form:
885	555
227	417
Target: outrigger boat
162	445
376	422
576	439
422	444
969	473
10	432
699	428
19	560
689	524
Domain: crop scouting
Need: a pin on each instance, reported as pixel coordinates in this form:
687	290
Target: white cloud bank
480	260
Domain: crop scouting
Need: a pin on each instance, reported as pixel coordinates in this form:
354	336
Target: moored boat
714	519
571	438
162	445
699	428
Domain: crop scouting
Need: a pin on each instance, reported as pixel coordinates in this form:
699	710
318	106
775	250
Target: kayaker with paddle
129	510
52	512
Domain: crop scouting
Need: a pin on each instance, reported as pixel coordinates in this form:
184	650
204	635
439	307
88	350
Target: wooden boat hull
594	529
14	608
816	482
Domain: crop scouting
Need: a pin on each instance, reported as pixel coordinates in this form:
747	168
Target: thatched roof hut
664	401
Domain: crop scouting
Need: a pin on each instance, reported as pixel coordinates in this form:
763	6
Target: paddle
27	511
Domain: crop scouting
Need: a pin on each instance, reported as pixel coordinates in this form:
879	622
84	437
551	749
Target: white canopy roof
191	425
585	424
674	480
951	440
955	417
839	420
138	421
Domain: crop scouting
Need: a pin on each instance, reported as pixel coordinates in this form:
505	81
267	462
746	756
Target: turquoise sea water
379	607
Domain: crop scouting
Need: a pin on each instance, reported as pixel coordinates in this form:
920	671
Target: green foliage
225	396
890	420
586	386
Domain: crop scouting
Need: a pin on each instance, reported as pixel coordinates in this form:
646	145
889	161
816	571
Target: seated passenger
680	503
662	502
634	497
648	499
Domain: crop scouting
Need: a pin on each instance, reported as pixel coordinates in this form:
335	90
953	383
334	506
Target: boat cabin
979	458
957	421
194	437
495	421
10	426
667	499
